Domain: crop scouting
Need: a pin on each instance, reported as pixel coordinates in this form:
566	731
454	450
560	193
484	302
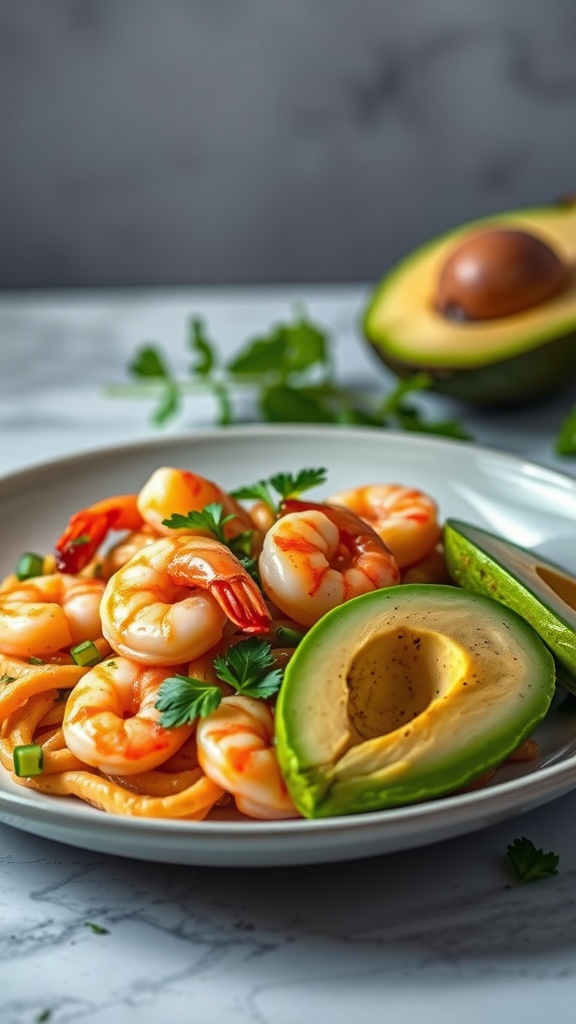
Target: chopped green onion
35	661
29	564
287	636
28	760
86	653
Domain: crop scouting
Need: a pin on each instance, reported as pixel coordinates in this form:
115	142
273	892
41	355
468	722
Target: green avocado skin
477	571
519	380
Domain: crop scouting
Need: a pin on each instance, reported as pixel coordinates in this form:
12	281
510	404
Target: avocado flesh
509	359
537	589
405	694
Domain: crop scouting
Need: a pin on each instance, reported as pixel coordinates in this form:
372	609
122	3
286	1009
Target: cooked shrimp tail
172	600
226	579
87	529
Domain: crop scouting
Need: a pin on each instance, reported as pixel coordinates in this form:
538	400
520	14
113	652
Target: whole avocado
488	310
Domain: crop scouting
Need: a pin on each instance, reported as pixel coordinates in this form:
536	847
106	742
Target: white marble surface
442	932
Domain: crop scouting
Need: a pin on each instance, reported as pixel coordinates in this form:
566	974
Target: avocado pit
499	272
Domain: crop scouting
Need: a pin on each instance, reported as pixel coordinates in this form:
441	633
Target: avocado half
404	694
508	359
539	590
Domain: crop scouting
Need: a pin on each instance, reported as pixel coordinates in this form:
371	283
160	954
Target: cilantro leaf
287	403
530	863
182	699
148	362
286	485
260	356
203	349
290	374
210	519
248	667
288	348
98	929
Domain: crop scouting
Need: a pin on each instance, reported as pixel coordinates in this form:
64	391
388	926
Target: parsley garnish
96	928
183	699
286	485
290	372
210	518
248	667
529	863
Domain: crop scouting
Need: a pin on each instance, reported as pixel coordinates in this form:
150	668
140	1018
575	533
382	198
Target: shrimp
111	721
166	492
171	601
46	614
235	746
316	557
404	517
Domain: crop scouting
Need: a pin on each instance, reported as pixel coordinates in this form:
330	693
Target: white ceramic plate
531	505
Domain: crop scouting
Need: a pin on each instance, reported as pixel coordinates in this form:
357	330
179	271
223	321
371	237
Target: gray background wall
200	141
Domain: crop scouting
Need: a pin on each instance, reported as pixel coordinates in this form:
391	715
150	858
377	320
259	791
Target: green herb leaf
260	356
206	357
248	667
43	1016
183	699
148	362
565	443
290	485
96	928
290	373
209	519
286	485
287	403
530	863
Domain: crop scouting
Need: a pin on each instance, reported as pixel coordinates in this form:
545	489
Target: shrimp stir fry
152	724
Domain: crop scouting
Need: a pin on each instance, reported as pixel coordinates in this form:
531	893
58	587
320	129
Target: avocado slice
404	694
504	359
537	589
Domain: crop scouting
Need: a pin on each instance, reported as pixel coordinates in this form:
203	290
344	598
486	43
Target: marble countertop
441	932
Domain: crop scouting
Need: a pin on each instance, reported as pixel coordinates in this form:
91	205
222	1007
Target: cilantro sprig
286	485
211	519
248	667
290	370
530	863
